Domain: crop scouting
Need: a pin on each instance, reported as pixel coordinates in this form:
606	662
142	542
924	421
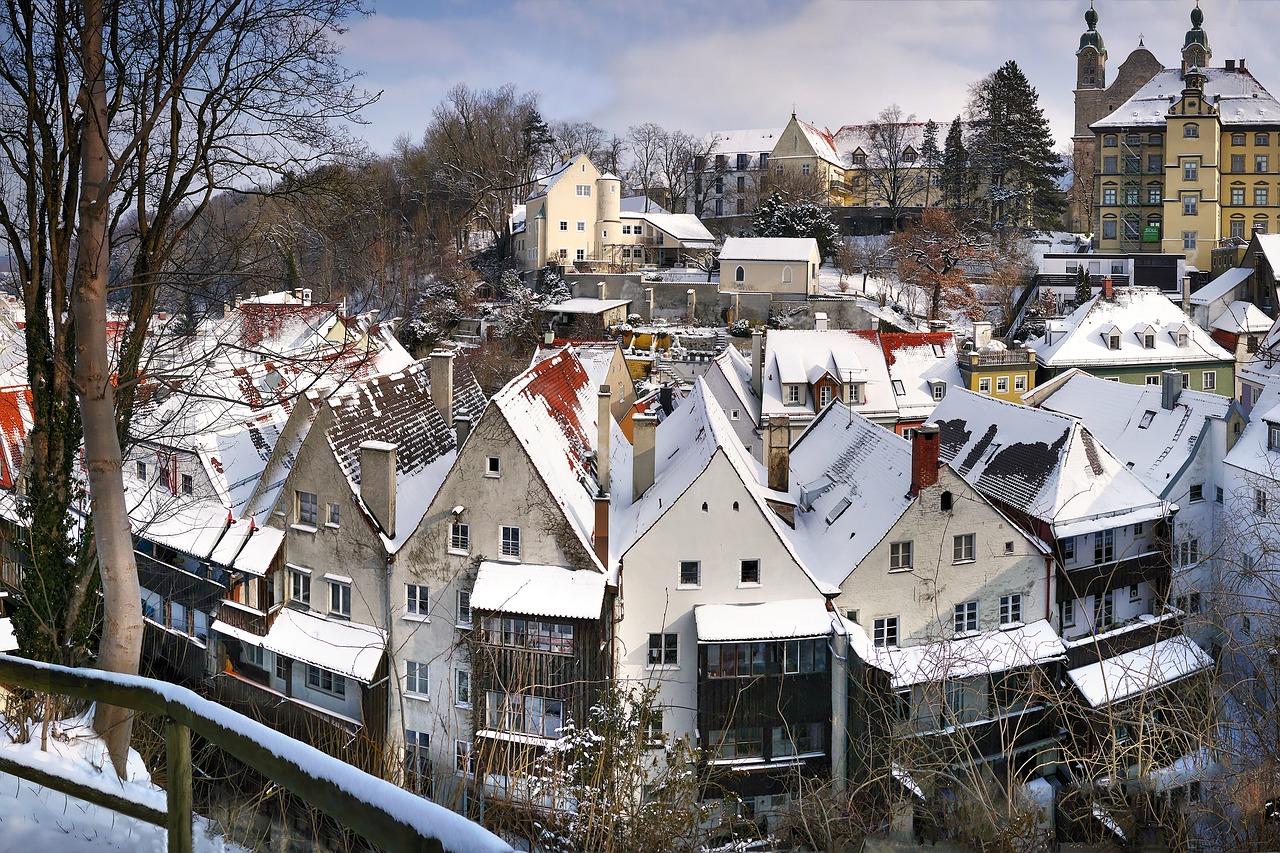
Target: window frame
964	548
459	537
462	608
417	679
339	592
417	602
884	632
306	507
965	617
663	651
1011	609
300	586
746	577
690	569
509	544
901	555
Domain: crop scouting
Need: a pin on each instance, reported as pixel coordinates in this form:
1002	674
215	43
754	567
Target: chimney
644	431
981	334
378	483
442	383
648	298
306	296
600	539
937	325
461	427
667	399
1106	288
1170	388
599	290
1186	295
757	362
779	455
1231	65
820	321
604	420
925	445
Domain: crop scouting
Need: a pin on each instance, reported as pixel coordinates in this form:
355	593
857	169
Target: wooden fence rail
387	816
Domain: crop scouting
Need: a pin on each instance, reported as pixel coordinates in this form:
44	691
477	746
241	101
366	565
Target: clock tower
1091	58
1196	52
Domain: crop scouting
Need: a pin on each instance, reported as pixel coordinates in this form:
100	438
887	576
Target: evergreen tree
1084	286
1012	149
955	167
930	156
779	217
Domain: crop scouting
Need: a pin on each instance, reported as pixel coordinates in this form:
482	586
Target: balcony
1015	357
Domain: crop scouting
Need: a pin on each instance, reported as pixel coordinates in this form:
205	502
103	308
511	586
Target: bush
740	328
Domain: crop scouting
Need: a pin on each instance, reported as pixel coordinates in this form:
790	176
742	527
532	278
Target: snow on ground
35	818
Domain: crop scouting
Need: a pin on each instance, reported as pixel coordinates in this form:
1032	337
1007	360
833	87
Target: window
1156	139
1107	612
966	617
340	599
1262	139
1189	552
1110	141
510	541
493	467
1260	163
1010	608
417	761
824	396
750	572
326	681
1152	379
1190	204
1237	165
1260	196
793	394
300	586
1273	434
1110	165
939	390
462	688
1104	546
463	759
1197	492
962	548
1130	196
885	632
955	697
653	727
1132	164
417	600
1109	229
581	255
308	508
1260	503
1109	195
899	556
740	204
1190	170
1237	195
1191	131
1209	380
1237	139
1002	384
462	609
584	190
690	573
1068	548
1153	195
1134	594
282	668
188	485
417	678
459	537
582	226
804	169
1188	239
664	650
1237	225
1149	342
944	502
1113	341
1217	494
1068	613
984	385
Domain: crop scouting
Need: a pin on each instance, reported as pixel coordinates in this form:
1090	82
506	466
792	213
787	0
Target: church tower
1196	52
1091	58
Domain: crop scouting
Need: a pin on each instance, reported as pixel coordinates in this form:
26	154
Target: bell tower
1196	52
1091	57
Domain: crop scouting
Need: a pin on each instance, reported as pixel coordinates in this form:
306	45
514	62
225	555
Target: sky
712	65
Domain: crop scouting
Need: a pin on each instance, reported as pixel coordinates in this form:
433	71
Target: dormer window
909	156
1148	338
859	158
857	396
1113	340
824	396
793	395
1183	336
1273	436
939	390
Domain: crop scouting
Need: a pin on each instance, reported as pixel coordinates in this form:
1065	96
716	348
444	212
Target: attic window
939	390
939	351
1183	336
898	388
1147	417
1148	341
991	454
944	503
1113	340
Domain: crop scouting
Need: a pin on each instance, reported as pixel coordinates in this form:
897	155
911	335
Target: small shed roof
538	590
774	620
768	249
1125	675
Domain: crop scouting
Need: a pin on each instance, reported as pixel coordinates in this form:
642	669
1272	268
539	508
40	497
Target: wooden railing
385	815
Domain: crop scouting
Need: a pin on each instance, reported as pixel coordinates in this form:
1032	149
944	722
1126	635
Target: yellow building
1188	161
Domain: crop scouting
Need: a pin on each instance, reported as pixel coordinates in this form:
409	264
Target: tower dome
1196	35
1091	37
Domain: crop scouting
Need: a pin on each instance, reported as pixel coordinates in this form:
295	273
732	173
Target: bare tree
936	254
645	143
893	172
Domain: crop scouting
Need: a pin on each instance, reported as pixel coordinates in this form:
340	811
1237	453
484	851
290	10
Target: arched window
735	506
786	275
704	506
739	274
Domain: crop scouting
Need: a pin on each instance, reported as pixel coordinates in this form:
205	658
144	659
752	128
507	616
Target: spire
1195	47
1092	38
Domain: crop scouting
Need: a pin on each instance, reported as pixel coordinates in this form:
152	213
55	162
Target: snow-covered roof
797	249
1251	452
754	142
736	371
1080	340
1155	443
544	184
1130	673
640	204
917	361
1239	97
1221	286
849	479
1041	463
774	620
966	657
16	420
1242	318
586	305
347	648
259	551
684	227
804	356
552	409
175	521
821	140
538	590
1269	245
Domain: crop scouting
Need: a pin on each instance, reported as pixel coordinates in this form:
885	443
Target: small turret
1091	57
1196	52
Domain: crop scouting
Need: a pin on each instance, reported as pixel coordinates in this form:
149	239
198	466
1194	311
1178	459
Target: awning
776	620
256	556
235	633
538	590
1128	674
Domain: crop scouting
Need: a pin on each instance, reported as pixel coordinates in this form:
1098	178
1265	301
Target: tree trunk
121	644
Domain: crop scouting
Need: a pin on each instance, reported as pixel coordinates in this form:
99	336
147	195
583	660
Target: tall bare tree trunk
121	644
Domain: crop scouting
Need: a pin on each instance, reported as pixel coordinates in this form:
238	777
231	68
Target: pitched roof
1044	464
1240	98
1116	678
543	185
736	371
768	249
16	420
1221	286
918	360
753	142
685	227
1155	443
1080	340
1251	452
773	620
805	356
1242	318
538	590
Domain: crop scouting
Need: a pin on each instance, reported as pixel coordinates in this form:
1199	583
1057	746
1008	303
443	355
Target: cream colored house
770	265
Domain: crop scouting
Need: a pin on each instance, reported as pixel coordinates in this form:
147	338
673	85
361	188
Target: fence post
177	739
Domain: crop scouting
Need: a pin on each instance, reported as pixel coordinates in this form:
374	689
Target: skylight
1147	417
